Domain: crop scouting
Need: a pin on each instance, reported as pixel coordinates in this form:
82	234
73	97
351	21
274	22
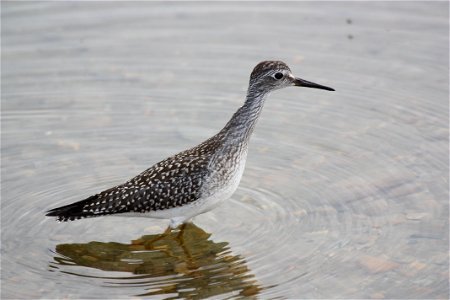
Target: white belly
202	205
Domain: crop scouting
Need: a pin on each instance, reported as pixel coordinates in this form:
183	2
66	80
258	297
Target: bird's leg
174	223
180	233
189	259
167	231
163	235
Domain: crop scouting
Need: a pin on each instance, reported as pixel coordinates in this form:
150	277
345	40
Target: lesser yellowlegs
194	181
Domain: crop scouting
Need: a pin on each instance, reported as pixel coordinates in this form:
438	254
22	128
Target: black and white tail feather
74	211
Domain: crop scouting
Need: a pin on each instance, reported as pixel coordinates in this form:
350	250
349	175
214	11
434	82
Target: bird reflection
181	263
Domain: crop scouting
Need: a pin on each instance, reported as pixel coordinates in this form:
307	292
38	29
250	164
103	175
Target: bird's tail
73	211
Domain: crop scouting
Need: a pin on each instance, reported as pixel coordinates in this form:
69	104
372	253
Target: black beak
309	84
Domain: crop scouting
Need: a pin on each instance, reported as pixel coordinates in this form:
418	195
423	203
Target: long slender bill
309	84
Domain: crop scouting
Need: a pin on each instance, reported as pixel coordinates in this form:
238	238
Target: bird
196	180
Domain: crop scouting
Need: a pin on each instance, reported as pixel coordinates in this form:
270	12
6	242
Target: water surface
345	194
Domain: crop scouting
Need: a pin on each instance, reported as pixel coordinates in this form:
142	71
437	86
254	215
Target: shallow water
345	194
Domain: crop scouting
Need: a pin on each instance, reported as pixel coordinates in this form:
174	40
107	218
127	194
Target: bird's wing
170	183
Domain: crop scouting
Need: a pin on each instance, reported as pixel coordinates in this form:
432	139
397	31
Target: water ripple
345	194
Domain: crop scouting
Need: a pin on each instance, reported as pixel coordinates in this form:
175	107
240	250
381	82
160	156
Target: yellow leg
167	232
181	232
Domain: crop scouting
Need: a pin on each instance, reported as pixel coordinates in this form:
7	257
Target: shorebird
196	180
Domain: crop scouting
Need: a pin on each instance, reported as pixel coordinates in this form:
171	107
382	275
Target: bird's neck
242	123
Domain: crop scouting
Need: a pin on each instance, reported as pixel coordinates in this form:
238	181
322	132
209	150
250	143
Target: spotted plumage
173	182
196	180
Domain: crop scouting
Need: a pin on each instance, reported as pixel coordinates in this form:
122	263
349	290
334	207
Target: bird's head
268	76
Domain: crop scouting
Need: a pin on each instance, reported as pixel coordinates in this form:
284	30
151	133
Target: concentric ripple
345	194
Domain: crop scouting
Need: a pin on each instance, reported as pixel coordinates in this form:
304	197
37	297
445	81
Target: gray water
345	194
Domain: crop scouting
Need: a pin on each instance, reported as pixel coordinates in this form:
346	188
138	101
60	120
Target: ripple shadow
181	263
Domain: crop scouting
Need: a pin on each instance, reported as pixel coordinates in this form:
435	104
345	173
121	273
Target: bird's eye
278	75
